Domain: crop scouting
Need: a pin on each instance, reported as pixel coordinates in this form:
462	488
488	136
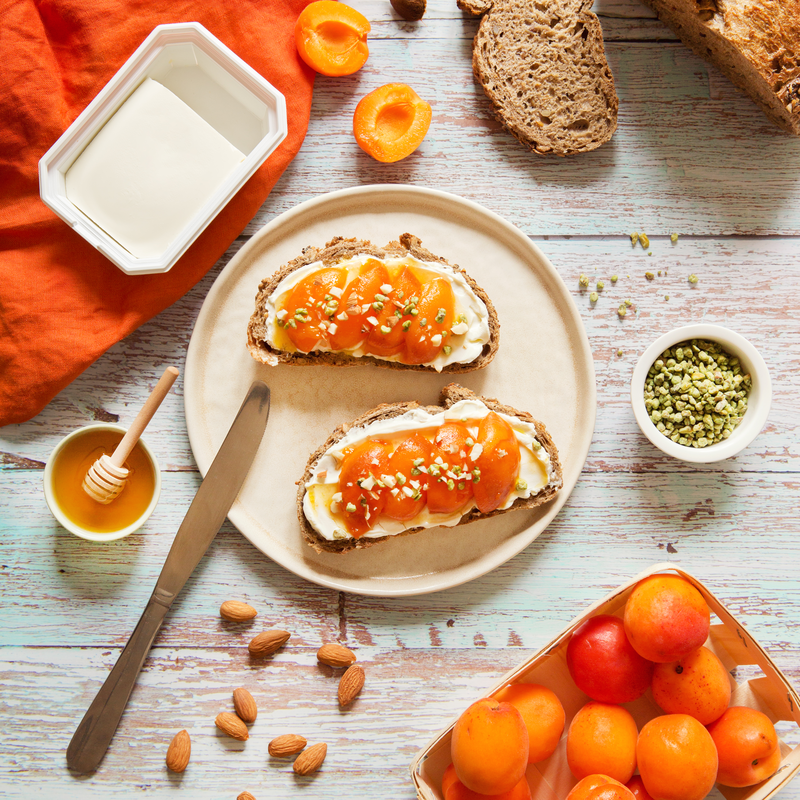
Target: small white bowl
72	527
758	400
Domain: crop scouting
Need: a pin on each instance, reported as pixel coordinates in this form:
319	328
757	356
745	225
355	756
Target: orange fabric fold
63	304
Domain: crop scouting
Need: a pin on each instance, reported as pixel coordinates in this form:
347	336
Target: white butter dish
227	94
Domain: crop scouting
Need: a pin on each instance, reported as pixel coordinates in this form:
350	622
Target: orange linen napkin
62	304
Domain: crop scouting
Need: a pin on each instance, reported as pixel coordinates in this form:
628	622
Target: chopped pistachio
350	508
666	297
634	238
649	276
440	315
406	324
447	349
644	240
619	353
423	322
622	311
614	278
583	280
673	237
522	486
693	278
600	286
593	297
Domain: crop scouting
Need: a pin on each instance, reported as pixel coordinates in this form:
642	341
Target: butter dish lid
221	90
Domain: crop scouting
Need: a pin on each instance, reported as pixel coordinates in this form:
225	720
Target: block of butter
149	170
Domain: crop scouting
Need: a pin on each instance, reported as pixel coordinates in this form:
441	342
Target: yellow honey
74	461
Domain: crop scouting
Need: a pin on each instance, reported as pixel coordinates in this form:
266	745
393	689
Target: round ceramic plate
544	366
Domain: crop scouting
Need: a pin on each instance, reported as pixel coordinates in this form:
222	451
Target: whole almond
287	745
351	684
310	760
178	752
232	725
245	796
268	642
236	611
245	705
334	655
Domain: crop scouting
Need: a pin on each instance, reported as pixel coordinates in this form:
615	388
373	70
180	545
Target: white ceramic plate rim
759	400
431	582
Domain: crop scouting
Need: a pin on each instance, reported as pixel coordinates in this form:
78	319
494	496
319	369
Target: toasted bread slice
543	66
335	252
451	394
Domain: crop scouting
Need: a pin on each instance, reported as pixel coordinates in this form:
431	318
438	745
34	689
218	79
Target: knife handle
94	734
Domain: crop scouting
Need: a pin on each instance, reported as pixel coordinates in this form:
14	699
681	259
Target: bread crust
335	251
756	45
522	47
450	395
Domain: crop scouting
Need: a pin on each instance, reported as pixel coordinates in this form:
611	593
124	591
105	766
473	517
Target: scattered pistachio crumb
583	280
666	297
614	278
644	240
649	252
600	286
659	273
629	303
634	239
693	278
619	353
522	486
594	297
622	311
649	276
673	237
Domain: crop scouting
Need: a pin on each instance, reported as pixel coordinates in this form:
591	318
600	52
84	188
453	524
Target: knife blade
206	514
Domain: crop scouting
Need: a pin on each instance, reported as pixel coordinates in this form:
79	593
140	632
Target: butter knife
206	514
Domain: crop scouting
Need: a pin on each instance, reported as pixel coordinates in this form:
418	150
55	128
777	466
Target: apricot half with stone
391	122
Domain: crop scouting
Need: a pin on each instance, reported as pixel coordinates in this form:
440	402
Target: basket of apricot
636	699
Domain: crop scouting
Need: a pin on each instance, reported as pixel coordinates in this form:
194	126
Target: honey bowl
77	511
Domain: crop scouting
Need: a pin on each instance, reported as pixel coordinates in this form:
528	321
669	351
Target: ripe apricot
697	685
489	747
602	737
448	779
542	714
603	663
747	745
457	791
636	786
599	787
677	758
332	37
391	122
666	618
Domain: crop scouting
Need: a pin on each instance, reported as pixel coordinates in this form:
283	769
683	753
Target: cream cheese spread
150	170
466	340
536	470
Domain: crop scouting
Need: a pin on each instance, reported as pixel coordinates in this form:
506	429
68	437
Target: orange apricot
449	778
489	747
636	786
602	739
748	747
677	758
391	122
599	787
498	463
332	37
697	685
361	506
457	791
542	714
404	505
666	618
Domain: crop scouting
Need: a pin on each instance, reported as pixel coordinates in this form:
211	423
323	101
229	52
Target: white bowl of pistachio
701	393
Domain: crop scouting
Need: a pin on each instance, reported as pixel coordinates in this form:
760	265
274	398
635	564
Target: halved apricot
391	122
332	37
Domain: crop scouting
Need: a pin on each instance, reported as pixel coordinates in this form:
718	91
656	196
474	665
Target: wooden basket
551	779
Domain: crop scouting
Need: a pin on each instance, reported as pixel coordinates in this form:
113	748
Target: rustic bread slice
450	395
757	45
543	66
334	252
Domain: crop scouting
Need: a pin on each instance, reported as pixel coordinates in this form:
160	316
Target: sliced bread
543	66
755	44
451	394
335	252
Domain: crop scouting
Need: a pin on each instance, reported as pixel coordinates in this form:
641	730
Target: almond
245	705
287	745
178	752
245	796
334	655
351	684
232	725
236	611
311	760
266	643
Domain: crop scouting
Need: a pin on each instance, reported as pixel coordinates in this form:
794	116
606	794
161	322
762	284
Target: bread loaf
543	66
756	44
337	252
450	395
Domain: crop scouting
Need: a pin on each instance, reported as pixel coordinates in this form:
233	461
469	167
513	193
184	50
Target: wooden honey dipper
106	478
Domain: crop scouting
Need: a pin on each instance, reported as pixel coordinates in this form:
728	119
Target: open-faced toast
290	325
323	500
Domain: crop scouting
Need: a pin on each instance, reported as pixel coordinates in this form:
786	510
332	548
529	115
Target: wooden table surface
691	155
